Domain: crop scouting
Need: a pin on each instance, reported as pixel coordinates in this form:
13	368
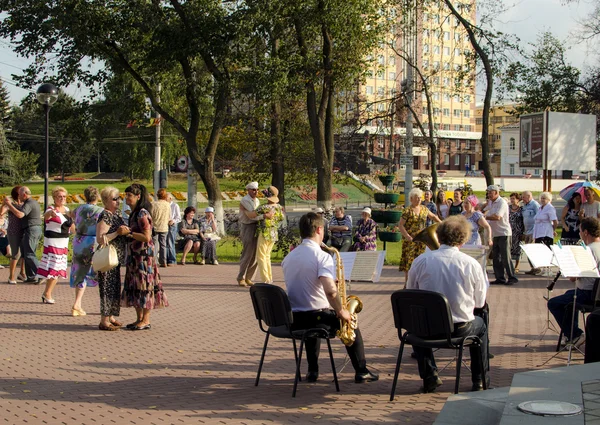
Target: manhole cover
549	408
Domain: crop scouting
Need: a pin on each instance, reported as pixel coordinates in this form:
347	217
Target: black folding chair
272	307
427	319
583	309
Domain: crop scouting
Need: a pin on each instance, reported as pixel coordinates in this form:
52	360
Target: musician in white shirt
560	306
310	274
461	279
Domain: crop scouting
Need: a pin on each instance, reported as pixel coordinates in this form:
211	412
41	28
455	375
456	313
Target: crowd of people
91	226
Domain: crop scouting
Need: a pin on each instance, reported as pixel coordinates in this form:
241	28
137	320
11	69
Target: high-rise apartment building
438	46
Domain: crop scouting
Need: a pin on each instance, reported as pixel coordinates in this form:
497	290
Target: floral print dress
515	218
142	287
367	229
413	223
82	273
109	283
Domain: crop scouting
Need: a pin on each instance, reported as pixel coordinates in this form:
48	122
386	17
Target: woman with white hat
267	232
208	234
365	236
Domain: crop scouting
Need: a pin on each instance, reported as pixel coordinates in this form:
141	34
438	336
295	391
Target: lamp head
47	94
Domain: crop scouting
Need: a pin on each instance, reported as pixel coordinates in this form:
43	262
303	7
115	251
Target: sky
524	18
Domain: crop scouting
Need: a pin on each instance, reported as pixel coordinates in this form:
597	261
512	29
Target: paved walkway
198	363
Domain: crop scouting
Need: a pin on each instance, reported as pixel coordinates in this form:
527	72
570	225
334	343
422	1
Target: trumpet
351	302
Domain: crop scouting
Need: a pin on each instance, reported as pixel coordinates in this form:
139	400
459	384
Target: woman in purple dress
365	237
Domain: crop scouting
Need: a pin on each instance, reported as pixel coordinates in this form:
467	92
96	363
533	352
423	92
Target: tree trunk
277	168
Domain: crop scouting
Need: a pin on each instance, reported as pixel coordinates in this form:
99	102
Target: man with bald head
31	223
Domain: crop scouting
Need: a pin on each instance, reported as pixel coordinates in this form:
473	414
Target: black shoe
33	280
312	376
490	356
359	378
512	281
478	385
497	282
431	384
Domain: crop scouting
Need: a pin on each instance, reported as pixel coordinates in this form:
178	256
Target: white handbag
105	257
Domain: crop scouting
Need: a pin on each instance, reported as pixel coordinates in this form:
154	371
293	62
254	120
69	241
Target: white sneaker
215	263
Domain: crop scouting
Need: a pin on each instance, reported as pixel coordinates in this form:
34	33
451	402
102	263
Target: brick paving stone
198	363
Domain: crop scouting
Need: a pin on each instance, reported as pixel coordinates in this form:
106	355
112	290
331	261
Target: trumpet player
310	274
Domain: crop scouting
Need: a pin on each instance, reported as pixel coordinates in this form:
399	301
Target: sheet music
575	261
539	255
479	253
363	265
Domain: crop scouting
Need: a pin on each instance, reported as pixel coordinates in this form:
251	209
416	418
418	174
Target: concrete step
476	408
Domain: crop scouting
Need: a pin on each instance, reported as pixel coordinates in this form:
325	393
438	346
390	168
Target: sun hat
209	209
367	210
252	185
272	194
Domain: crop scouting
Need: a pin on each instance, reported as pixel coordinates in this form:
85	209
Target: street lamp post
47	94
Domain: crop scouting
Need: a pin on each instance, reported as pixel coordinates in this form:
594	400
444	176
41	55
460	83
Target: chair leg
398	361
458	364
297	378
262	359
483	370
337	386
296	356
560	336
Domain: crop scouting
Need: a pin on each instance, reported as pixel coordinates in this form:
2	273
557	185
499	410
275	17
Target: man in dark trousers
310	282
31	223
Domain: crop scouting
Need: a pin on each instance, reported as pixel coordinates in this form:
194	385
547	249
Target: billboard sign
531	153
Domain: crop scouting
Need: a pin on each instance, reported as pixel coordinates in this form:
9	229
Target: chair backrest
596	293
425	314
271	305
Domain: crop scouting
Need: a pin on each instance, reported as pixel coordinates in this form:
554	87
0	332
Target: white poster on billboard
571	142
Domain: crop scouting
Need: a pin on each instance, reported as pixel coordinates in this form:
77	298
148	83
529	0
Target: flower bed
178	195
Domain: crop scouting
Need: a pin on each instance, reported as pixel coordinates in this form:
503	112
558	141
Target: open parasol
579	187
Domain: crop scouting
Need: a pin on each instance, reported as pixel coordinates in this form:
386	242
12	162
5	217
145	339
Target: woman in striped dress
56	243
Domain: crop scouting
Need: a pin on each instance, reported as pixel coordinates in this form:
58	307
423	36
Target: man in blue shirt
529	209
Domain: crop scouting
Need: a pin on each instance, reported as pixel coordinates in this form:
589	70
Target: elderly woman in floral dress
209	237
414	219
267	231
365	236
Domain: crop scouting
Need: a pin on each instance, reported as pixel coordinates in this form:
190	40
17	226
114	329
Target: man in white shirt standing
172	235
461	279
497	215
310	274
248	219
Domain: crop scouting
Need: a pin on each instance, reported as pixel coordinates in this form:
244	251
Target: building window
381	74
370	107
425	64
381	107
457	144
381	91
511	169
436	18
436	111
392	60
536	171
436	65
467	113
447	51
468	127
391	75
446	97
446	35
446	82
369	89
457	36
512	144
425	33
457	127
467	144
457	113
524	171
436	96
446	112
456	159
467	160
446	127
380	141
425	48
436	80
436	50
446	66
381	60
446	159
447	144
456	52
478	121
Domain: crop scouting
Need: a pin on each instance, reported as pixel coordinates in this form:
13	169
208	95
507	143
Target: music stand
541	256
572	263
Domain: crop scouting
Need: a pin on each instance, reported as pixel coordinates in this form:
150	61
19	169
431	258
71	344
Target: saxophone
351	302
